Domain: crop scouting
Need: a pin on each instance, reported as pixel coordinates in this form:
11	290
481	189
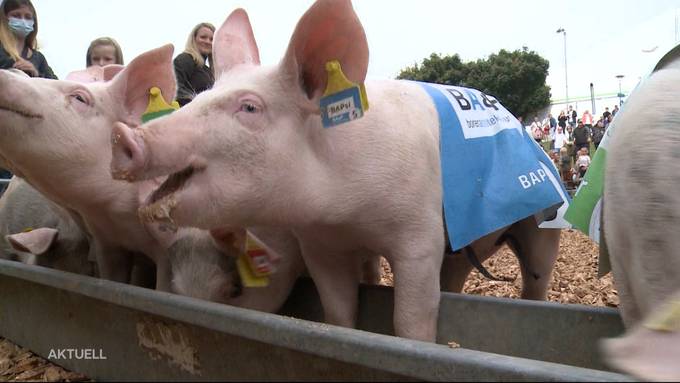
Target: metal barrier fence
137	333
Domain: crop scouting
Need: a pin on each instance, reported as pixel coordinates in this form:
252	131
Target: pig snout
128	153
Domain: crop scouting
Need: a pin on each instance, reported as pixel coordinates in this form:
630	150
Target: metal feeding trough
112	331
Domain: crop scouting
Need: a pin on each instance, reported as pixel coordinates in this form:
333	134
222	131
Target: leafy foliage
516	79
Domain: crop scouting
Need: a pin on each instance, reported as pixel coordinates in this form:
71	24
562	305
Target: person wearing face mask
18	31
193	67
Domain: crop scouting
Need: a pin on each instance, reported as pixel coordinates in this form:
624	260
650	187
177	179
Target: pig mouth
162	201
20	112
173	183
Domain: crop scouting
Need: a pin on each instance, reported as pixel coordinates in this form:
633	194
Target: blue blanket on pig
493	173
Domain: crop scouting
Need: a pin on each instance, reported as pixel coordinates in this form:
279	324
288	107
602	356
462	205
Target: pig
204	267
537	250
641	214
37	231
252	152
56	135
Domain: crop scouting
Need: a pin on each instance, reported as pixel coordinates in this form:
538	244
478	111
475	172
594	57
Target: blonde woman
18	45
193	67
103	51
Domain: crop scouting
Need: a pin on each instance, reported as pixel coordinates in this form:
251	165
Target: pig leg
456	267
143	272
336	276
371	271
454	272
416	267
114	264
163	272
538	248
649	352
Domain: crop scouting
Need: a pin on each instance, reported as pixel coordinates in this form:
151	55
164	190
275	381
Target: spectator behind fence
193	67
615	110
572	113
537	130
581	137
18	32
598	133
565	165
103	51
552	121
560	140
583	162
562	120
587	119
606	113
570	140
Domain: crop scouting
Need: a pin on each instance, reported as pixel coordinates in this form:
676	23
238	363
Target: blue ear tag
343	101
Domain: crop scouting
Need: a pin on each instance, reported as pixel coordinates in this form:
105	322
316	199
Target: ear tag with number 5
343	101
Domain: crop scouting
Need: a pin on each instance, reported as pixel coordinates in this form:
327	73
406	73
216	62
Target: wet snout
128	152
158	148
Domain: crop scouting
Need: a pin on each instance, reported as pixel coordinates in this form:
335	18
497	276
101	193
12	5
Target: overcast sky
604	38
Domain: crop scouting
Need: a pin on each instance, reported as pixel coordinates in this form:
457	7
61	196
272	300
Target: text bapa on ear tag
343	101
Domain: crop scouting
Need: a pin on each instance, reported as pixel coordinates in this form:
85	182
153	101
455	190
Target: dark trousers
578	147
4	174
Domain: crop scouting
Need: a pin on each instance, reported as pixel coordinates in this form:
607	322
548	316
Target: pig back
641	204
23	208
391	151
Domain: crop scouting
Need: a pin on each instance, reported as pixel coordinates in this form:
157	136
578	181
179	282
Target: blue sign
493	173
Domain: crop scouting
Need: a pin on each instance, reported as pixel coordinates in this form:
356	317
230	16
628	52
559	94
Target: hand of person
27	67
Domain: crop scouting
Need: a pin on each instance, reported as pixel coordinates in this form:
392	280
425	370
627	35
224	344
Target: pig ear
229	241
131	86
36	241
91	74
329	30
234	43
110	71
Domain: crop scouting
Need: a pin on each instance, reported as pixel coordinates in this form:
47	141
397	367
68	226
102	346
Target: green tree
447	70
516	79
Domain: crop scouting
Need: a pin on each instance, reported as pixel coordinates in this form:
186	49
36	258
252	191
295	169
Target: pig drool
159	212
162	200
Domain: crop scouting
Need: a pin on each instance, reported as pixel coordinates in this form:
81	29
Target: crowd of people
569	140
19	50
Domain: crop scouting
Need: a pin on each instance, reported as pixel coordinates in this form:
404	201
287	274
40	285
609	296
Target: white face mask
20	27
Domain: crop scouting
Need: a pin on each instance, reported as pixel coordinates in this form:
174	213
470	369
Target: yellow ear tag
253	265
26	230
157	106
666	318
342	101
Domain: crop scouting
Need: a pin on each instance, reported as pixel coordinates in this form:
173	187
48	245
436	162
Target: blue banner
493	173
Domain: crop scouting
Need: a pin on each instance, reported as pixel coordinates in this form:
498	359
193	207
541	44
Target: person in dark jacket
193	67
597	133
18	45
581	137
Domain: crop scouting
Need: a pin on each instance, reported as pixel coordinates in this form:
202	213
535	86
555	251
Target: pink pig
252	152
641	213
56	135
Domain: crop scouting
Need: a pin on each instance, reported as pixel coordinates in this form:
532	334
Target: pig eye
249	108
81	98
